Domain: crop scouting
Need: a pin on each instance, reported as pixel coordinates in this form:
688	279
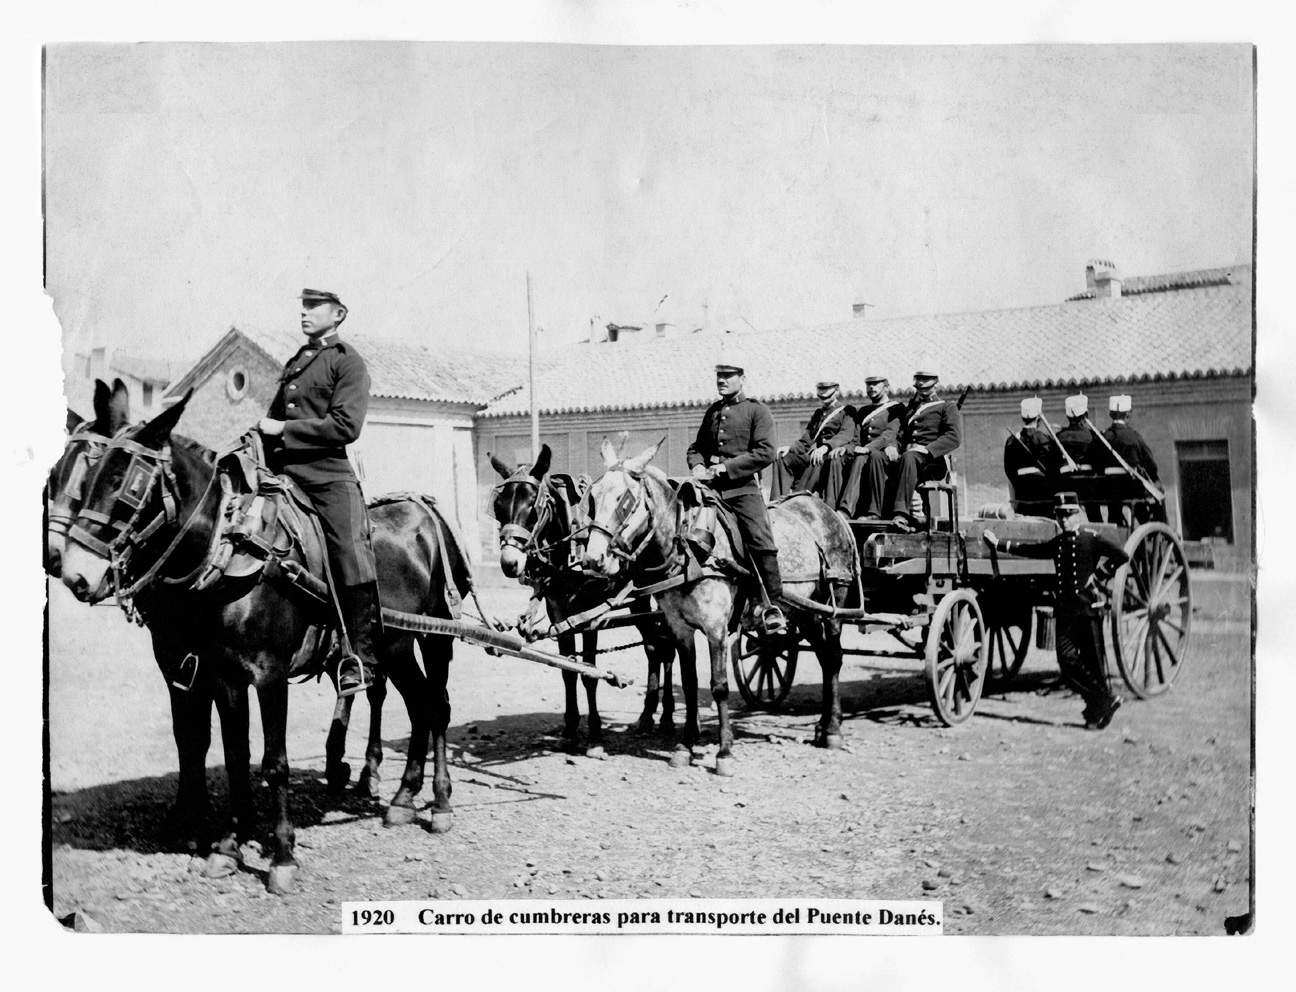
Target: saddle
704	516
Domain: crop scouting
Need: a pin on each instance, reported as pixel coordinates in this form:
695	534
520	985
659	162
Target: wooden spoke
956	655
1151	599
764	670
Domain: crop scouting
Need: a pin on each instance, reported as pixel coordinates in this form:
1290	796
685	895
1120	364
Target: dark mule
187	822
636	519
145	530
538	518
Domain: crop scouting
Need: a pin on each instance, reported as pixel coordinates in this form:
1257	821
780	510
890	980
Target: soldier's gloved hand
783	450
837	453
990	538
817	456
920	448
892	453
270	428
701	472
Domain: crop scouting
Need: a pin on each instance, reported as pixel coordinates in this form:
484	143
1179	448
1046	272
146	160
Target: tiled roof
145	369
1192	332
402	370
1170	281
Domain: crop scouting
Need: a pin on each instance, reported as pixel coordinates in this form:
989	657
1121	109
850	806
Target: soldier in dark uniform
873	448
1086	454
1031	461
317	411
929	432
1129	444
734	442
1084	562
801	465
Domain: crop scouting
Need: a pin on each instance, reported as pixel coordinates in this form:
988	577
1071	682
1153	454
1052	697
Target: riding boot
767	566
362	614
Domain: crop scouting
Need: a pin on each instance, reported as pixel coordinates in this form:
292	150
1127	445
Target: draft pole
531	356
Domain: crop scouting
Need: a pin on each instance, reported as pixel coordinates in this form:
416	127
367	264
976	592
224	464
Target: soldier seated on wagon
1031	461
928	433
1125	443
871	451
801	466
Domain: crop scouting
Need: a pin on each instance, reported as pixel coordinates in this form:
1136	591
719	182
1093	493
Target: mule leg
336	771
589	654
232	708
717	642
651	692
414	688
667	722
571	708
187	823
827	647
437	652
683	753
376	695
273	699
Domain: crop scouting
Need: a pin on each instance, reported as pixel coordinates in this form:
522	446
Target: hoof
645	724
681	758
221	865
725	766
367	784
281	879
336	778
399	816
441	822
596	752
667	729
833	742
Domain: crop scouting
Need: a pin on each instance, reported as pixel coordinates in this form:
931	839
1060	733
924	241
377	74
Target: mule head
65	485
619	509
516	506
124	492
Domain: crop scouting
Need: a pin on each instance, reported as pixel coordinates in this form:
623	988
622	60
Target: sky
191	186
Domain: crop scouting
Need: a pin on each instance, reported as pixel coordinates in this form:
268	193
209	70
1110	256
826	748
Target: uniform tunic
877	427
831	426
933	424
738	432
1031	462
1130	445
1090	457
322	398
1077	556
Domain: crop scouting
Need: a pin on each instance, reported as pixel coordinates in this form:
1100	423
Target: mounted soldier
318	410
930	431
734	442
872	450
1031	461
801	466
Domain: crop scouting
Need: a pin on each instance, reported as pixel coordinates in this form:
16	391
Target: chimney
858	310
98	363
1102	279
661	328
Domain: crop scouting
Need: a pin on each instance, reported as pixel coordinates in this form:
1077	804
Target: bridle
631	528
514	535
59	513
148	470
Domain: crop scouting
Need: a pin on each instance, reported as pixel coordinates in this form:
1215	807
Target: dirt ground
1019	821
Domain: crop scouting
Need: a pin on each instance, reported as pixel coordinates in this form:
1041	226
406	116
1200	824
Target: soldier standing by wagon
1083	562
317	411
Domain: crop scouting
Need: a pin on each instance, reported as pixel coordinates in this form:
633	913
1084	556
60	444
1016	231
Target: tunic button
293	386
296	370
292	406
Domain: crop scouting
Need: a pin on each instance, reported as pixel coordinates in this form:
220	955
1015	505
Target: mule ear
74	420
102	398
608	452
503	470
541	468
118	407
157	431
640	461
622	438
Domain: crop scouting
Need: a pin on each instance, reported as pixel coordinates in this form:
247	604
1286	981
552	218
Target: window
1205	491
236	383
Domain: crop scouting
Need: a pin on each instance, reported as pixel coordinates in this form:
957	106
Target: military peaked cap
1066	504
320	296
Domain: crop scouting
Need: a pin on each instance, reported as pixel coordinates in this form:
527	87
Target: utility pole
531	357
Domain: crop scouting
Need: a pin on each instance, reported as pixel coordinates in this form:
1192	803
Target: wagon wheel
1008	633
956	657
1151	611
764	667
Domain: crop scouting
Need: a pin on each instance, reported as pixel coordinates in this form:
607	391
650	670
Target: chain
623	647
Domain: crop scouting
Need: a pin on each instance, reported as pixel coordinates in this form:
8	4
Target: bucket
1045	628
